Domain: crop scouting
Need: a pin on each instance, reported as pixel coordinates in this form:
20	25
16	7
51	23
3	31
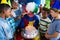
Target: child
5	30
16	13
29	23
44	22
12	24
53	32
16	9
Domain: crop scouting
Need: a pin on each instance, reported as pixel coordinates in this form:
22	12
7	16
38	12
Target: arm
21	25
52	35
36	23
57	31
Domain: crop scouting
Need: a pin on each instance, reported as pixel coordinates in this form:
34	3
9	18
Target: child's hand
46	35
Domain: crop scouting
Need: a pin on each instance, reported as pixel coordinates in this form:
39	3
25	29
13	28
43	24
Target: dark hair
0	1
4	7
46	10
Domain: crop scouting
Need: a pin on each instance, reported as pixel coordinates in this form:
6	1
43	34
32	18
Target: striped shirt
44	24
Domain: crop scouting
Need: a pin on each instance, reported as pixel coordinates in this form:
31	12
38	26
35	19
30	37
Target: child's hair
54	9
4	7
46	10
59	11
0	1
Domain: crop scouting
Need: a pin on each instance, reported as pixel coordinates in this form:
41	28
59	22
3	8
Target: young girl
53	32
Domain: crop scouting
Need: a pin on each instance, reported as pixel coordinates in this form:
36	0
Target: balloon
36	9
47	5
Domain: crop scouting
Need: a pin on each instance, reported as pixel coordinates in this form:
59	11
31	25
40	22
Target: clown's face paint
31	14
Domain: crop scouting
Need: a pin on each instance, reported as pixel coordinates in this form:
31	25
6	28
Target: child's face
53	14
30	14
14	5
44	14
7	12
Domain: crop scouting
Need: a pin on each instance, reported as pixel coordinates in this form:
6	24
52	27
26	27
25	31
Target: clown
29	23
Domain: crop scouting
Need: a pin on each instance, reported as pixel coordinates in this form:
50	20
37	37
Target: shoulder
35	17
57	21
48	20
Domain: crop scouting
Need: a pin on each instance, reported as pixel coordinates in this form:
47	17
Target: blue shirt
18	11
2	34
17	22
12	24
54	27
5	30
26	19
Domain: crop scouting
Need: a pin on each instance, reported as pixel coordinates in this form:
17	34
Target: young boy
44	22
53	32
12	23
5	30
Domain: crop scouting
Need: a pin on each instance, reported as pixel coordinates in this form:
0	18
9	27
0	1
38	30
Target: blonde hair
59	11
55	10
